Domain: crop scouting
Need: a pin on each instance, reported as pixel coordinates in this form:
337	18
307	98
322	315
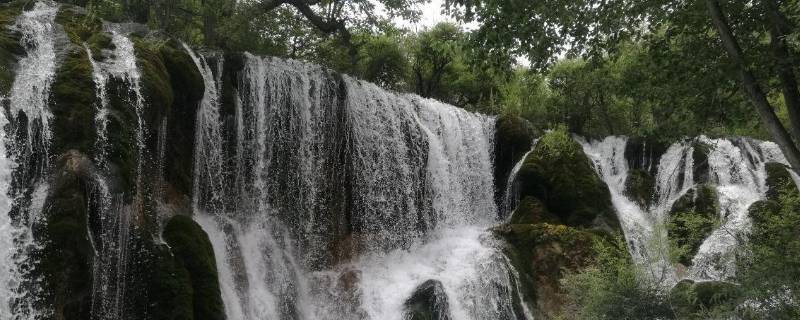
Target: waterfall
110	238
339	190
24	147
738	170
644	228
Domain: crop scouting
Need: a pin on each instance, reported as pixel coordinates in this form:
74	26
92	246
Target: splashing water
738	170
644	227
417	175
24	159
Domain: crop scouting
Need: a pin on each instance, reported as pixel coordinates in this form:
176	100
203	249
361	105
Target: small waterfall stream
25	141
737	170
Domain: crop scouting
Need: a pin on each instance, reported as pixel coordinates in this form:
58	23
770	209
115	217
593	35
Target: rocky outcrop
192	251
542	253
559	174
513	138
428	302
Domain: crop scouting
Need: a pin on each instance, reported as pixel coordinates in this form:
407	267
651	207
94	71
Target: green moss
692	219
72	103
193	251
541	253
78	26
531	210
66	254
559	174
702	300
10	48
639	187
779	181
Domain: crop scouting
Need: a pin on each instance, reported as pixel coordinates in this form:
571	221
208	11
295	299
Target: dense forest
683	95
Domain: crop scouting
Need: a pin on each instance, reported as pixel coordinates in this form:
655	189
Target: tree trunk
785	68
753	89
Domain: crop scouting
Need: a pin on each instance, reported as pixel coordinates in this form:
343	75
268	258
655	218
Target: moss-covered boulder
10	48
701	300
428	302
193	251
541	254
640	187
530	211
691	220
513	138
559	174
66	251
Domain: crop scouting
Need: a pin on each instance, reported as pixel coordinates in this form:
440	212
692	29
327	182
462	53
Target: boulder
428	302
541	254
640	187
530	211
192	250
559	174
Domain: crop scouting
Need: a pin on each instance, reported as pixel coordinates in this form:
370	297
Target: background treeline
665	84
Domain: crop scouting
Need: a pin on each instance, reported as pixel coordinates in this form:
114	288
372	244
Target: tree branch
778	29
751	86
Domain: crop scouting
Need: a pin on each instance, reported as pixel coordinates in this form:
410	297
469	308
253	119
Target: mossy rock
541	254
698	300
193	251
158	286
10	47
559	174
779	180
72	103
513	138
428	302
530	211
640	187
691	220
66	253
187	89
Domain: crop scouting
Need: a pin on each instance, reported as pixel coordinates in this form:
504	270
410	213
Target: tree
541	30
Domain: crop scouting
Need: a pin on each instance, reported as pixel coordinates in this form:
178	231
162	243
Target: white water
111	249
738	170
419	172
23	141
644	227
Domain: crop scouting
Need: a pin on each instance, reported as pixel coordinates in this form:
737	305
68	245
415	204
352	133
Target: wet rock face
541	253
192	251
644	153
513	138
640	186
428	302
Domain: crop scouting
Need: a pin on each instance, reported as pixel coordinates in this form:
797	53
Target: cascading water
342	190
644	227
112	233
24	159
738	170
